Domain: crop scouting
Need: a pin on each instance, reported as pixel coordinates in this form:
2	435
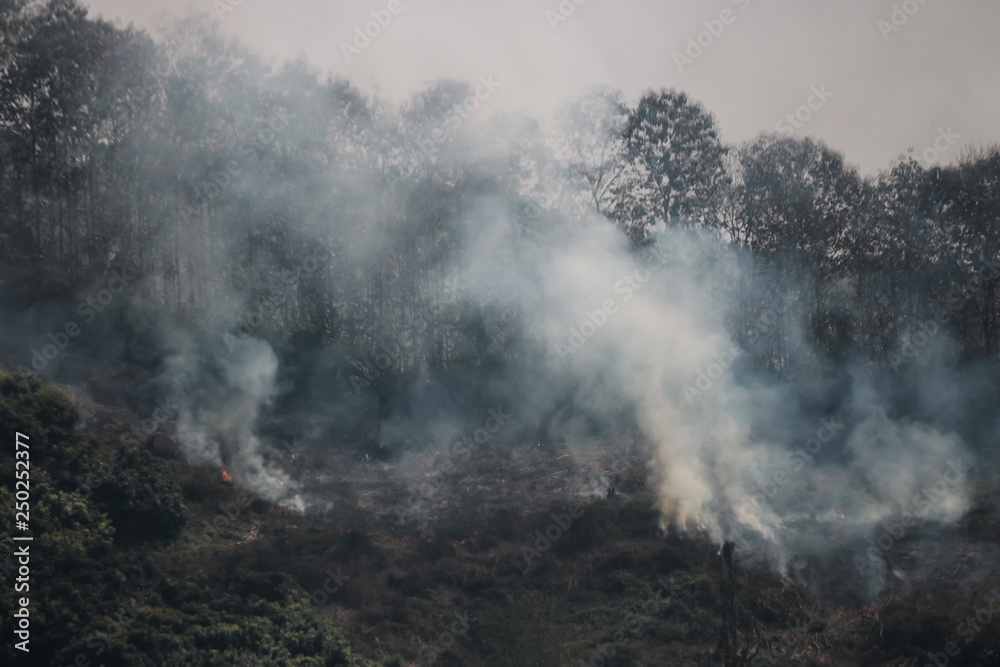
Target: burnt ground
447	580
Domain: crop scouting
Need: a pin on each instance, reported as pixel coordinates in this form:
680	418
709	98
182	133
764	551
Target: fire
225	475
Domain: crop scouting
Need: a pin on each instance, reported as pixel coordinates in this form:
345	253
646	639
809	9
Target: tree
797	197
677	157
791	203
971	208
590	141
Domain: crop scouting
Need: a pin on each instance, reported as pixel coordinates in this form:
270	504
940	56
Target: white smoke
733	451
220	398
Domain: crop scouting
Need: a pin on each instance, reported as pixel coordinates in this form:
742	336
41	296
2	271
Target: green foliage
142	502
115	607
43	414
75	571
235	619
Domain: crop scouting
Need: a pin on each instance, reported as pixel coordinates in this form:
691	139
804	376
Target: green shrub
144	504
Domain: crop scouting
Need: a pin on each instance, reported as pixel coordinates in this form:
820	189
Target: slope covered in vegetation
101	513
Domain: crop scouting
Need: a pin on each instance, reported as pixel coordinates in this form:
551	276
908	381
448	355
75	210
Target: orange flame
225	475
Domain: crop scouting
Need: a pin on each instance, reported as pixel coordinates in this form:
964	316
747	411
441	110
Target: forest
218	178
434	326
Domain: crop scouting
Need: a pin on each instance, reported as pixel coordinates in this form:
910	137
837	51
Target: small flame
225	475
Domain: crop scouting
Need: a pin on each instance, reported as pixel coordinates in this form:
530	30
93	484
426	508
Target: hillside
132	549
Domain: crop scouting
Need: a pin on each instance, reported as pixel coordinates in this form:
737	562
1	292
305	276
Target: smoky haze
372	277
892	89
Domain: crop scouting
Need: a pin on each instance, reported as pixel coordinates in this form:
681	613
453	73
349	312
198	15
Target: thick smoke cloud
796	465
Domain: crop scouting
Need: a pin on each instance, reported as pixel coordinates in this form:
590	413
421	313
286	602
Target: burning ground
522	554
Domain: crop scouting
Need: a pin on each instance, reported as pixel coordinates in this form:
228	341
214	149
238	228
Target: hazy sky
889	88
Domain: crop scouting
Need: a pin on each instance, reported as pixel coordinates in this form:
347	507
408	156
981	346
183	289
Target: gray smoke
790	454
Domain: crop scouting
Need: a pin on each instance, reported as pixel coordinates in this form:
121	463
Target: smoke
829	460
220	398
553	317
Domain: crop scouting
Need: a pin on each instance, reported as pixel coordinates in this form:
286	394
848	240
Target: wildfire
225	475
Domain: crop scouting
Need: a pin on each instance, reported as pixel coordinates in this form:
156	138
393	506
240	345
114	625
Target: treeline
307	206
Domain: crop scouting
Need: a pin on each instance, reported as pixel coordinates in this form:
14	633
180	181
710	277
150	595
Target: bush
143	503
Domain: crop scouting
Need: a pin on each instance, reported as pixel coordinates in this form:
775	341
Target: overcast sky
889	87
